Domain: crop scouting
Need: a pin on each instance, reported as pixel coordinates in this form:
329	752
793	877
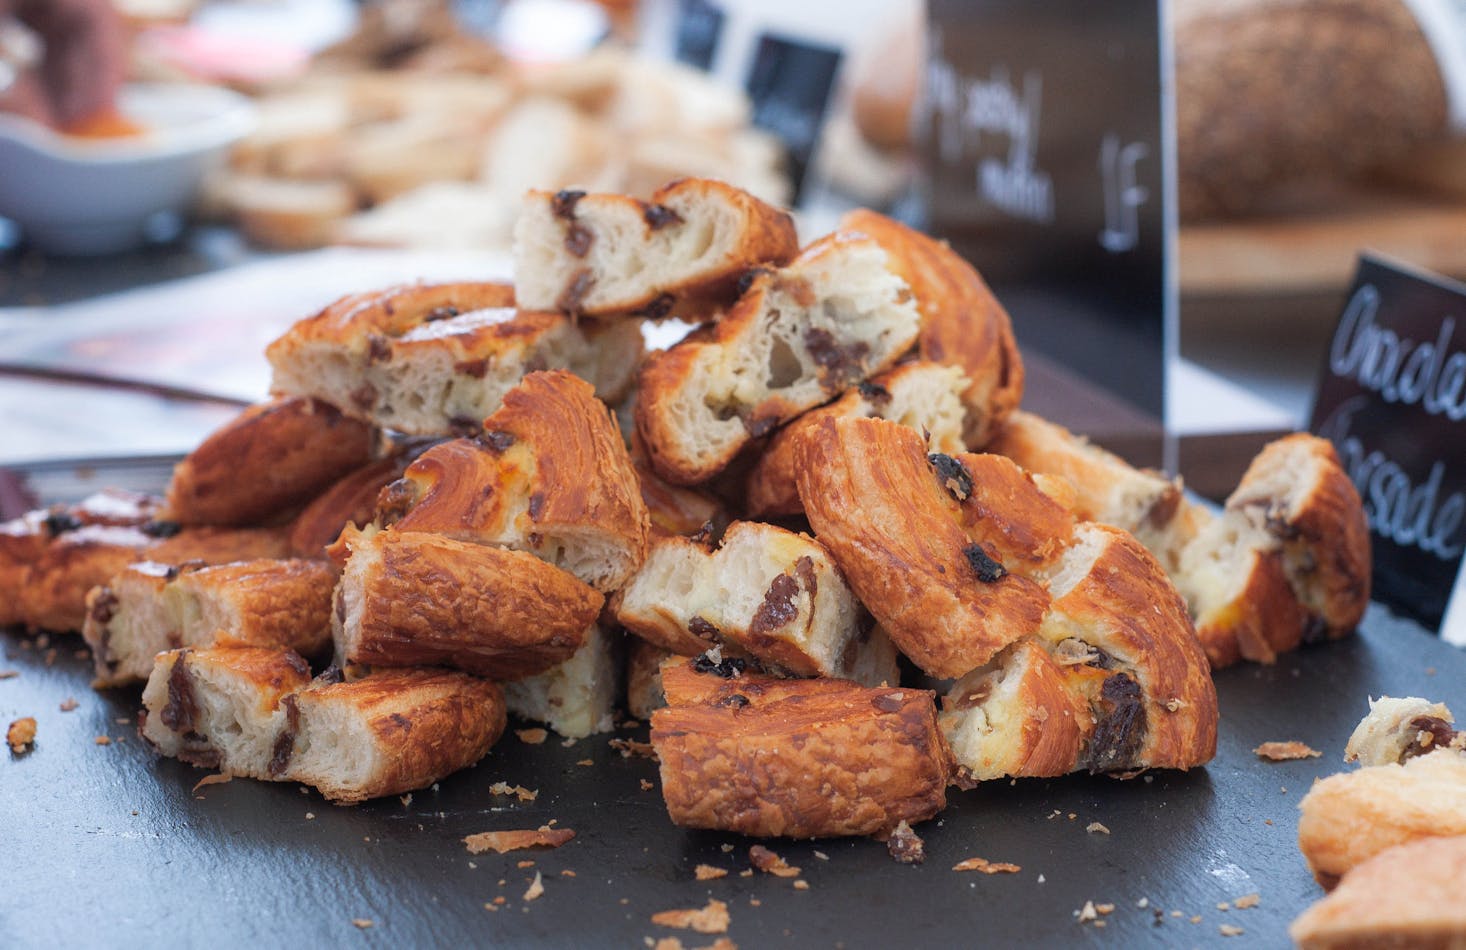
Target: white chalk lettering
1400	370
1123	195
1410	515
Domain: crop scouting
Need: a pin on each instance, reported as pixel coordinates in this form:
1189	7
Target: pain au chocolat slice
796	758
23	540
681	253
765	592
436	359
962	323
922	395
407	598
255	712
151	607
1113	681
798	337
54	587
549	475
576	698
941	549
265	463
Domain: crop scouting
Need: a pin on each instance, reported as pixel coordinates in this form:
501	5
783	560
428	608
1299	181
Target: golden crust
24	540
275	603
766	237
422	725
1405	896
1263	620
962	323
1348	818
1034	723
674	510
800	758
915	554
410	599
352	500
265	463
1126	606
550	471
771	482
353	321
1327	531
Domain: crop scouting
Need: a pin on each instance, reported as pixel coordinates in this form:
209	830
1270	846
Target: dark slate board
108	845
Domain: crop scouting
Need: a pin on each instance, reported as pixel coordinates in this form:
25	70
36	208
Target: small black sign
1393	402
790	82
1045	159
699	24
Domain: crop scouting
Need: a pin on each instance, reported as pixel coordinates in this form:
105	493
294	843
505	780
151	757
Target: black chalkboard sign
790	83
1044	144
1393	402
699	25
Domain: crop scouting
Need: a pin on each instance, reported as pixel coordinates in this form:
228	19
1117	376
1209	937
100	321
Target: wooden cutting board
1314	247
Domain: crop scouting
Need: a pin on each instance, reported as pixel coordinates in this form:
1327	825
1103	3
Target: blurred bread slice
605	254
288	214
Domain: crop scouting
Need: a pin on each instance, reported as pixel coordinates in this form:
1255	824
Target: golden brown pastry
796	758
1107	488
1287	562
151	607
576	698
24	540
264	464
600	255
221	708
922	395
255	712
940	549
54	587
798	336
434	360
765	592
415	599
1406	897
1123	684
391	732
549	475
962	323
351	500
1350	817
675	509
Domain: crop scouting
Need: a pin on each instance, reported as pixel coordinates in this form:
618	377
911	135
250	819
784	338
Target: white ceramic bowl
96	196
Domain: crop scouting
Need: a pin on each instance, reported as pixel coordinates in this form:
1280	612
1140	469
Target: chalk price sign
1393	402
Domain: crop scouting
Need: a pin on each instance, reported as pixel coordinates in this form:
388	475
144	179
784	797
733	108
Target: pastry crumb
69	703
22	734
1095	828
1104	910
363	923
1230	930
1087	913
905	845
986	866
519	791
103	740
770	863
646	786
1285	751
712	919
536	888
801	885
217	779
9	674
633	747
531	736
1247	901
525	864
706	872
502	841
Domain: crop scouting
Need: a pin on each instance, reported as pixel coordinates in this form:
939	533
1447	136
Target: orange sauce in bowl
103	124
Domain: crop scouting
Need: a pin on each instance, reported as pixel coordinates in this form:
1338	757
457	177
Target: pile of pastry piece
828	474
